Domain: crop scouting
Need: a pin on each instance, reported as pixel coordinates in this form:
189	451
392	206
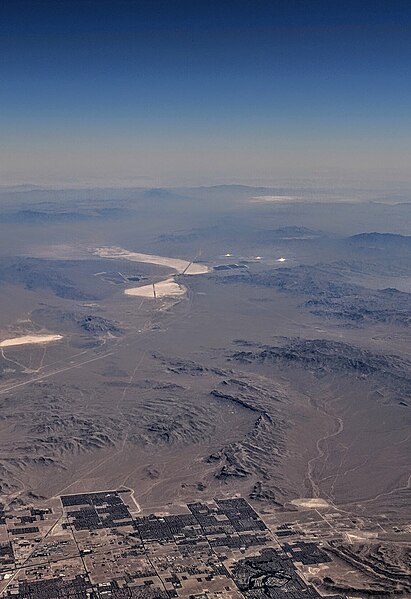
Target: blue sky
191	91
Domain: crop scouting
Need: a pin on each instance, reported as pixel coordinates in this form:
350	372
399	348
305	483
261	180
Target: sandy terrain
29	339
134	394
278	384
166	288
181	266
311	502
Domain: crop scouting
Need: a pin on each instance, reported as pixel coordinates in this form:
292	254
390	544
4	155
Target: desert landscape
205	299
259	350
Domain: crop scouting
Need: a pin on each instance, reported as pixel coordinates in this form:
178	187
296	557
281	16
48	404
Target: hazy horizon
205	299
204	93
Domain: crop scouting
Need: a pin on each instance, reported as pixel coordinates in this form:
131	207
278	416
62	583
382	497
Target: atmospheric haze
205	300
